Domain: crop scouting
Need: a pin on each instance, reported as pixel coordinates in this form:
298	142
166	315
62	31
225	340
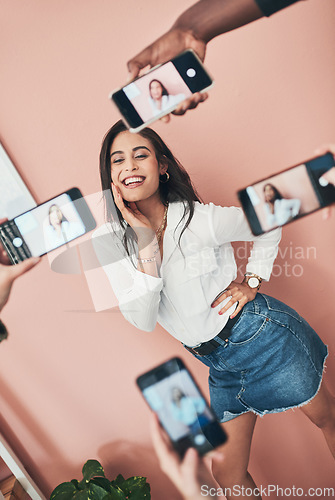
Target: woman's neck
153	209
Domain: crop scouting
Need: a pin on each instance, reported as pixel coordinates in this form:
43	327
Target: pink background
67	372
292	184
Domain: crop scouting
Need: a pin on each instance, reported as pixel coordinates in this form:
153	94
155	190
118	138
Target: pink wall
67	372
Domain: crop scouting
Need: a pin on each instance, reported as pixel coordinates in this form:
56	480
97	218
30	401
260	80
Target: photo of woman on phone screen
279	210
59	229
160	99
169	259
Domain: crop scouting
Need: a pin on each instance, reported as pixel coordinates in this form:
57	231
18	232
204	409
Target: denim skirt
272	361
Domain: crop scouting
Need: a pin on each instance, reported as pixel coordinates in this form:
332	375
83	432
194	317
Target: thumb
19	269
139	62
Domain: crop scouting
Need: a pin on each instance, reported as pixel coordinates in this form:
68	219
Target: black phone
289	195
160	90
47	226
171	392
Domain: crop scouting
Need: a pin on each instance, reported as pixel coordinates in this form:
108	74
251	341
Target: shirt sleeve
295	207
138	293
269	7
229	224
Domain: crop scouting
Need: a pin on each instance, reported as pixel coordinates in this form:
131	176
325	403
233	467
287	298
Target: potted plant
95	486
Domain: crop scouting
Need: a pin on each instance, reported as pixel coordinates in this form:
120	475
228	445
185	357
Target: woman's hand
131	214
238	292
9	273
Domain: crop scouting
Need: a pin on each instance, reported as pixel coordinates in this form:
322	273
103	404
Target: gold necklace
161	228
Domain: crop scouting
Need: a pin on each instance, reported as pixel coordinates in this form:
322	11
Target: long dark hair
178	188
164	89
278	196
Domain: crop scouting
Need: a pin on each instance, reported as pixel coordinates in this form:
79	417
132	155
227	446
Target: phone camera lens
191	72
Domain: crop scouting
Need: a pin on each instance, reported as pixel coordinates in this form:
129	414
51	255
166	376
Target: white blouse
191	275
284	210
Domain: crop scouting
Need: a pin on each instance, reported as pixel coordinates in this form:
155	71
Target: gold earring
166	179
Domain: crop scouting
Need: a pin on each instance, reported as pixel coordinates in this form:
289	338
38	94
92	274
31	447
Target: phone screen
160	90
50	225
181	408
289	195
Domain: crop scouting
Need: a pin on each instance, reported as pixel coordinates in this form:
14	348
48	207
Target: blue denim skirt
272	361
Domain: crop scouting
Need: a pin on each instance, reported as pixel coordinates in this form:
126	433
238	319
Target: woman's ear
163	166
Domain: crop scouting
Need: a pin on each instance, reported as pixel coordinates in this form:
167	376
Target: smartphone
171	392
158	92
290	194
47	226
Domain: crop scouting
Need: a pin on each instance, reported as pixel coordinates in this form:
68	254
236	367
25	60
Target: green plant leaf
95	492
92	468
82	495
118	480
103	482
64	491
135	488
115	494
143	493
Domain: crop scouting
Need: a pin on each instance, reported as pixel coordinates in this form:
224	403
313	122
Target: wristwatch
252	280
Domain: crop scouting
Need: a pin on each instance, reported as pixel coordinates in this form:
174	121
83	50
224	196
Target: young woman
60	230
169	260
160	99
279	210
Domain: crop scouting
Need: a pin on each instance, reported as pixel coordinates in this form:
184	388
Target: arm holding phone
195	27
8	275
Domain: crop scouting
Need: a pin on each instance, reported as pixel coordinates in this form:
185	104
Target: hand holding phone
162	90
171	392
189	474
46	227
8	273
289	195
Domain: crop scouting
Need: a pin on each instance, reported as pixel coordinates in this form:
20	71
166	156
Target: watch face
253	282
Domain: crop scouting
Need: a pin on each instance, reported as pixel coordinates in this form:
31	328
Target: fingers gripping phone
47	226
171	392
290	194
158	92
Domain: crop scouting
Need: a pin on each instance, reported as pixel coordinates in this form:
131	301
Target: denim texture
272	361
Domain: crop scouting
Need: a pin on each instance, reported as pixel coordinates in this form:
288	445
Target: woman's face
269	193
55	216
135	169
156	91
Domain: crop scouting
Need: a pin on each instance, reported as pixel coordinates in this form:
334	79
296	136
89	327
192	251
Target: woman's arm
138	293
229	224
295	207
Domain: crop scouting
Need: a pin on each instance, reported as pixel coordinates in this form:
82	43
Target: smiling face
135	169
156	90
